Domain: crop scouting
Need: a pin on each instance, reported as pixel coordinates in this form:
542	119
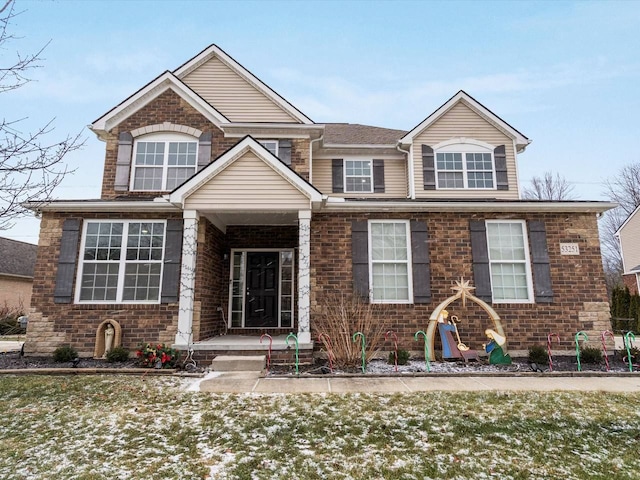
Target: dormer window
162	161
464	164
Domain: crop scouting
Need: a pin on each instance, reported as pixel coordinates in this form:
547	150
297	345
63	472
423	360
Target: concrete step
238	363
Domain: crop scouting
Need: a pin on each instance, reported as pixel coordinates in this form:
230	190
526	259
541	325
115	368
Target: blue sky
566	74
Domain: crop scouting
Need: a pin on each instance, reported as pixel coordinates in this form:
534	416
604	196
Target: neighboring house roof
17	258
462	96
635	269
631	215
356	134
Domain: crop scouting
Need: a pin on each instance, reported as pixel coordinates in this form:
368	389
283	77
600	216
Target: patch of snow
194	385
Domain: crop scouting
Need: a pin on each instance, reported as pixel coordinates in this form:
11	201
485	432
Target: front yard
100	427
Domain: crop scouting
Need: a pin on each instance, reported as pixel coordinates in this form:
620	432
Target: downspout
411	191
321	137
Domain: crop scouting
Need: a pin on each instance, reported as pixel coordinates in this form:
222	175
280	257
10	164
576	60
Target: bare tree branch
31	166
549	187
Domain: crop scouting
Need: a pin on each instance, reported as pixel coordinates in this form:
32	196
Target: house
17	261
227	213
629	237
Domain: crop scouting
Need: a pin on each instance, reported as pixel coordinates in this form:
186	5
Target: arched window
464	164
162	161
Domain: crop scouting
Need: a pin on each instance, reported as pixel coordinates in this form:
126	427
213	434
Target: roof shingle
356	134
17	258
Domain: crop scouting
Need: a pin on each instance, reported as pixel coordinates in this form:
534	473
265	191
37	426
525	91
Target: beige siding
247	184
15	293
462	121
232	95
630	240
395	179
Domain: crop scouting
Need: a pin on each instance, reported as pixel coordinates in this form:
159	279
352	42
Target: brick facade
580	298
631	282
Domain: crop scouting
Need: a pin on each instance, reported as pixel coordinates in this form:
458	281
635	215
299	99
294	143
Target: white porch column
304	286
184	336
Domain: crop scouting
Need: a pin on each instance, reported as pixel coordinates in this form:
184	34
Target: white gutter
311	157
412	188
102	206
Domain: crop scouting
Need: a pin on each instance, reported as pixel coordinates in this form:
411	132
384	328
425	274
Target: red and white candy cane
549	338
269	352
603	336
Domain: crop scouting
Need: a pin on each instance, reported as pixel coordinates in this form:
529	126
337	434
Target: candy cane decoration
426	348
395	345
603	337
291	335
363	348
585	338
324	338
549	338
627	344
269	351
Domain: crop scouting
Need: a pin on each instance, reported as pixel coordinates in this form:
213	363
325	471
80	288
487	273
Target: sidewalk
252	382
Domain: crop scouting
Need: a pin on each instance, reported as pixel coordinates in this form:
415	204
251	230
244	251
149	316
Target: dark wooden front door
262	289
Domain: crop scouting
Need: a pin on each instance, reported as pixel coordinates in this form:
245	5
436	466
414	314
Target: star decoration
463	289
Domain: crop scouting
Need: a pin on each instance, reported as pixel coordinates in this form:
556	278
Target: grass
100	427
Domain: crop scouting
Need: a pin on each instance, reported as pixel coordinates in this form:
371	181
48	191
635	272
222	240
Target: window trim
409	262
122	263
344	175
159	137
262	142
526	261
464	146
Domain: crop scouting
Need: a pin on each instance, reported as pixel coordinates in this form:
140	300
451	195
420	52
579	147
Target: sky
565	74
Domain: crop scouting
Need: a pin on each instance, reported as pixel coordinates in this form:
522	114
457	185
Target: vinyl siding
395	179
630	240
462	121
232	95
247	184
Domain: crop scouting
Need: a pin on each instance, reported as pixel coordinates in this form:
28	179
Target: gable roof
17	258
357	134
149	92
213	50
521	140
631	215
248	143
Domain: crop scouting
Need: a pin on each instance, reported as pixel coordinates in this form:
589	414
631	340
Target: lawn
101	427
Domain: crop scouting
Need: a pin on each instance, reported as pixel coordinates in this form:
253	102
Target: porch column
304	286
184	335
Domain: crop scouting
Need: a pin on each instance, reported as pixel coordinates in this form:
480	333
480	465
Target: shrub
591	355
339	316
152	354
118	354
403	357
64	353
538	354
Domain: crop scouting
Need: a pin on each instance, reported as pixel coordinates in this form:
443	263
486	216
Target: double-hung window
464	166
121	261
390	261
163	161
509	261
271	145
358	176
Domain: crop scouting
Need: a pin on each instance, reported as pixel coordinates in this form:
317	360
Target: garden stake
577	338
603	336
627	344
549	338
269	351
287	342
327	343
395	345
363	347
426	348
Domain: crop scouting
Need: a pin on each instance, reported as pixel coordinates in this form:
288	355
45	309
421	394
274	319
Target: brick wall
300	157
52	324
15	294
631	282
580	299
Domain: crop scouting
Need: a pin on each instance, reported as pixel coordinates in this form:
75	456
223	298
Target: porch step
238	363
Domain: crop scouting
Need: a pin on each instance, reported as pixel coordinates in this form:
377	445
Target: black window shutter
172	262
480	259
500	159
337	176
540	260
360	257
428	168
284	151
123	161
204	150
378	176
63	292
420	261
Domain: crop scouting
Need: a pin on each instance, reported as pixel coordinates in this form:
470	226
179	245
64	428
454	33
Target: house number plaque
569	249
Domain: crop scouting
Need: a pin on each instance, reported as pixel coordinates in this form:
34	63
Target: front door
261	297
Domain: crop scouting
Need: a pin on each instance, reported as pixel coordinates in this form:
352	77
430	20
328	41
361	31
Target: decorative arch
463	292
166	127
458	141
98	351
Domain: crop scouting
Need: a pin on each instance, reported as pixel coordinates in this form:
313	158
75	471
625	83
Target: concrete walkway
7	346
252	382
